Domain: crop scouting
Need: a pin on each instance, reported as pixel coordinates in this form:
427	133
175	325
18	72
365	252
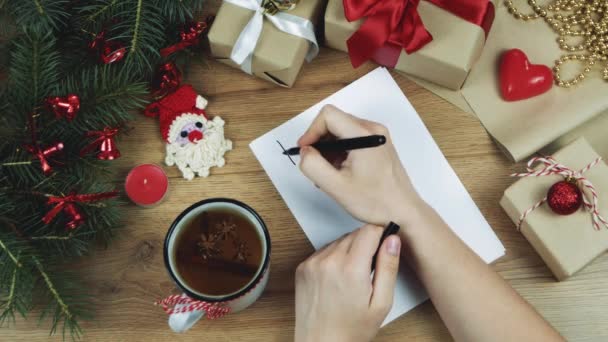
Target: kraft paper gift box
446	60
546	122
278	56
565	243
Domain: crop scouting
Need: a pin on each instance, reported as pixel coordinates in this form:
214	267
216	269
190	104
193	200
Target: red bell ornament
105	142
189	36
43	154
108	150
64	107
108	51
111	52
76	217
166	79
564	197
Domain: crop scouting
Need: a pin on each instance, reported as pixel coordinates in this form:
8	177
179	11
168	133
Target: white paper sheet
377	97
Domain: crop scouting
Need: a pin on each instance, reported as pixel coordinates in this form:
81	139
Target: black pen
343	144
391	229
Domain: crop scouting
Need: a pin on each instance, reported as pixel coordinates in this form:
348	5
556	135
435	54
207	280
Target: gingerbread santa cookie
194	142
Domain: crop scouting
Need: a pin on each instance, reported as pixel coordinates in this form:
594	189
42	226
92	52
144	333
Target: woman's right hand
371	184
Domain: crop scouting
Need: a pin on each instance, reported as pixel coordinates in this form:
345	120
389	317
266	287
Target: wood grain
127	277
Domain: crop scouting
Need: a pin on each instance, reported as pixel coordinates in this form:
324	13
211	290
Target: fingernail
393	246
304	150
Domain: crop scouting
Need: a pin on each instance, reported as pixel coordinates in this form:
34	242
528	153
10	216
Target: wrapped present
560	207
546	122
436	40
265	39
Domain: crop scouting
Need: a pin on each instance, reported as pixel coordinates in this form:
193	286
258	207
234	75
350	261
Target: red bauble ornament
166	79
521	80
564	197
64	107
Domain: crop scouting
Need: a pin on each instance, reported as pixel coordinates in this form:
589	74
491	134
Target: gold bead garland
574	18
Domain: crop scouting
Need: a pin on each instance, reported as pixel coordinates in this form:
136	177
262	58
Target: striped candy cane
552	167
212	310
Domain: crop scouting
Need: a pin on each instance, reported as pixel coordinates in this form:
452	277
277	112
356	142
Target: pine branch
105	8
35	255
142	27
11	256
39	14
66	306
33	70
16	283
179	11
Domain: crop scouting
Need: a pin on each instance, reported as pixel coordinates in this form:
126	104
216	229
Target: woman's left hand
336	298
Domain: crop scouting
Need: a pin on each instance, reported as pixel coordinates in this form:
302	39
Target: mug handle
181	322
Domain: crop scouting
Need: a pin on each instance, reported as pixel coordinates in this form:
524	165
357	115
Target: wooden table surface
129	276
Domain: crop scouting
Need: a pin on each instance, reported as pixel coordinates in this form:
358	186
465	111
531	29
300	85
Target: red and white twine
212	310
552	167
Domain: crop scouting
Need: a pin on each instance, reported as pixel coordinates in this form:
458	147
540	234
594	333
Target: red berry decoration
564	197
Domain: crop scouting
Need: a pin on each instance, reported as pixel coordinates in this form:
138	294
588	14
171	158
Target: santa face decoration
195	144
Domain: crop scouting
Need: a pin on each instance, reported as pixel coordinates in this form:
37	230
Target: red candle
146	184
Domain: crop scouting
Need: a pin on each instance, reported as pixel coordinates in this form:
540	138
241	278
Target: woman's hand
370	184
336	299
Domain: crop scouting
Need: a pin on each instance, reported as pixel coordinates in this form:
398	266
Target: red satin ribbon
67	203
393	25
107	133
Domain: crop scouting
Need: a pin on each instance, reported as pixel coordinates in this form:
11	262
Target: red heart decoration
521	80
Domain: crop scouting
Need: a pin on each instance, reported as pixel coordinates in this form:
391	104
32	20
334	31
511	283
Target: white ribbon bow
242	53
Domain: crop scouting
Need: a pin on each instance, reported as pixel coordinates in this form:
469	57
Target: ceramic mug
192	305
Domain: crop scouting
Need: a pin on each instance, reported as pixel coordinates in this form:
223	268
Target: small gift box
566	242
438	41
266	38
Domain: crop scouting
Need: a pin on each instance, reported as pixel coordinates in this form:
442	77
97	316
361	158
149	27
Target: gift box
276	55
565	242
547	122
457	37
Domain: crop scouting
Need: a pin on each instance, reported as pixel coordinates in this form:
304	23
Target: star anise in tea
241	251
207	246
225	229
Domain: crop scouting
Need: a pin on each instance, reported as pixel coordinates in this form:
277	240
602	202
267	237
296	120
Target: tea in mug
218	252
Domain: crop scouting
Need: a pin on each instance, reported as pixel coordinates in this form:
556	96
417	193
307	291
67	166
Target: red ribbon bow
189	36
105	142
393	25
67	204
